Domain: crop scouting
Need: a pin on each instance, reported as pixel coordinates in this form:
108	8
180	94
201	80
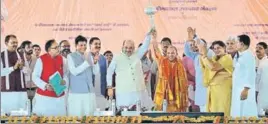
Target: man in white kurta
130	87
243	93
192	50
13	89
262	78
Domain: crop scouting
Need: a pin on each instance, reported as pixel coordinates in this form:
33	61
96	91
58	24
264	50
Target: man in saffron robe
46	102
217	78
172	83
13	88
165	42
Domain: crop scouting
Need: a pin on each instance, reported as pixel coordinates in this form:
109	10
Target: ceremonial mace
150	11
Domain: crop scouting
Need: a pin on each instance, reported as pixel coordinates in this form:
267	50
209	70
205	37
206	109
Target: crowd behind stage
224	76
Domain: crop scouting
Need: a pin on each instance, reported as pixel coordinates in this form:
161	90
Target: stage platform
144	117
186	114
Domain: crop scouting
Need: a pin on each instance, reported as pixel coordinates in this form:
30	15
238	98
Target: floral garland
135	119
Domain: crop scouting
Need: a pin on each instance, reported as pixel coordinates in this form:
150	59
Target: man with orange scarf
172	83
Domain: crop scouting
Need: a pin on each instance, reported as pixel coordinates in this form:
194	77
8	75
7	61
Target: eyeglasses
56	47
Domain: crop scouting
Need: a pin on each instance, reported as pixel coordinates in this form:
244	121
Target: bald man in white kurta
130	87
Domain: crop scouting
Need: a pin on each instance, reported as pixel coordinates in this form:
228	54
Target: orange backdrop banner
115	20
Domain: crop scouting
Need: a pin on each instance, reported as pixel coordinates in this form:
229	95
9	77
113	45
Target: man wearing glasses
47	103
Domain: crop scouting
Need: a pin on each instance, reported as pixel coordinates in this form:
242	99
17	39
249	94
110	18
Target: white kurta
201	91
102	102
244	76
81	104
130	87
43	105
27	70
262	85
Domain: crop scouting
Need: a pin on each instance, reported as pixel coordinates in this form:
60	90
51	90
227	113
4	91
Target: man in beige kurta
130	86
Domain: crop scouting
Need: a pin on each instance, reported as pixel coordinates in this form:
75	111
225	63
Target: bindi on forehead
172	49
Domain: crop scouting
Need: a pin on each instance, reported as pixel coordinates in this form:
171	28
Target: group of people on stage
224	77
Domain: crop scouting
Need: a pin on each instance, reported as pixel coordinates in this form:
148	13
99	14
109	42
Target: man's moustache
66	49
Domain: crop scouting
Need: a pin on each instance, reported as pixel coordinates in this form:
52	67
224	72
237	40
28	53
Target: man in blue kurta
191	50
82	66
243	93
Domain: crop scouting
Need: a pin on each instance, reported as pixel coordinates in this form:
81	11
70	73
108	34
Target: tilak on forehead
173	47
